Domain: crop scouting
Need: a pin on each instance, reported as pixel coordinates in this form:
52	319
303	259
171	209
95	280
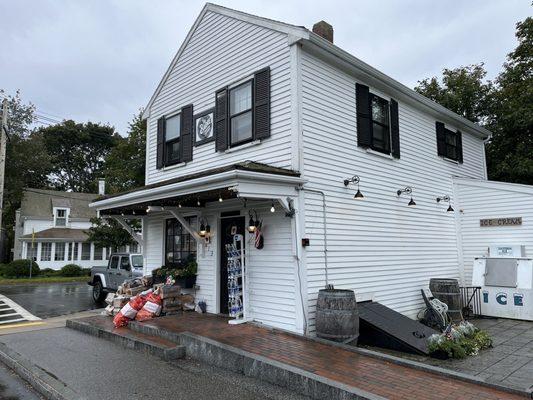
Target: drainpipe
324	217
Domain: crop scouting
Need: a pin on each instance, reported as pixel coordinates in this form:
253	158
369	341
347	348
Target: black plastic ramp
381	326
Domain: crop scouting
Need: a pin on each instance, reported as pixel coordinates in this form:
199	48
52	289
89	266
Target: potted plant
186	277
159	275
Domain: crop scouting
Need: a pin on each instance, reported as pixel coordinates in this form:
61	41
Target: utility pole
3	145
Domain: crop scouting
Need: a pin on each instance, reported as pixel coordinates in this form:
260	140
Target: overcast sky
101	60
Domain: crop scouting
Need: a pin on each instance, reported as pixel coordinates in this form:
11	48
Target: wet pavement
12	387
51	299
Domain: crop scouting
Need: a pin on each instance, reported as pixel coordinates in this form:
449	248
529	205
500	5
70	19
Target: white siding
479	200
378	246
222	51
271	270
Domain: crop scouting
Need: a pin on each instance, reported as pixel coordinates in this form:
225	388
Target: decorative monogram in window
203	125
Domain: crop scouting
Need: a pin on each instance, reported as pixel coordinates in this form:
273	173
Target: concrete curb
138	344
271	371
42	381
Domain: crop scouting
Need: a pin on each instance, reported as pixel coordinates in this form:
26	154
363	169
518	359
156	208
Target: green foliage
20	268
71	270
188	270
77	153
464	340
108	233
125	163
448	348
48	272
504	106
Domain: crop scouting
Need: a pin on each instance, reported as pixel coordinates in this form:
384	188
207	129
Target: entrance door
228	227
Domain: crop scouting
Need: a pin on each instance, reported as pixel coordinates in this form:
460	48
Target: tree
125	163
108	233
462	90
77	153
510	152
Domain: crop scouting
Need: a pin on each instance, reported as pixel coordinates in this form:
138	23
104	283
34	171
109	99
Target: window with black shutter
449	143
172	139
380	126
242	112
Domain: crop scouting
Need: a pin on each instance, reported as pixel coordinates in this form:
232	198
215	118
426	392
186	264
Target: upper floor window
61	217
172	139
240	107
449	143
380	124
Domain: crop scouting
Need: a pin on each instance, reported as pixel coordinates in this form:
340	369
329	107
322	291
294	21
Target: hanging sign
511	221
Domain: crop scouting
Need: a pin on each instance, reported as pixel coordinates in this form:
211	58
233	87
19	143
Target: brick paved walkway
376	376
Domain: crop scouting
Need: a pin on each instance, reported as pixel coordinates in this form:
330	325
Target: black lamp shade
202	230
411	203
359	195
251	225
450	208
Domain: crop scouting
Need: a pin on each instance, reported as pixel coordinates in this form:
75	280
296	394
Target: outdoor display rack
237	281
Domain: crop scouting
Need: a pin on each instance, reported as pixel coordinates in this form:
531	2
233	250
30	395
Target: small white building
260	120
51	227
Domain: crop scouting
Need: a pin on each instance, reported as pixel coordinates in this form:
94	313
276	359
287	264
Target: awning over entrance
247	180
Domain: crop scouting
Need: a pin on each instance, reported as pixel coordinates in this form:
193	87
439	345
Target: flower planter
186	283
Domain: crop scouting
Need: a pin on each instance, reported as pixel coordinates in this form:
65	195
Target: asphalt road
97	369
12	387
51	299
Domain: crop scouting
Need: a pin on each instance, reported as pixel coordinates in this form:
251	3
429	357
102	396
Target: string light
272	209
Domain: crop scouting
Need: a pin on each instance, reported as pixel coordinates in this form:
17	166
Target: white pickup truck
121	266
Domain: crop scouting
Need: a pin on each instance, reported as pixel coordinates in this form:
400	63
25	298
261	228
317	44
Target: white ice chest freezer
506	280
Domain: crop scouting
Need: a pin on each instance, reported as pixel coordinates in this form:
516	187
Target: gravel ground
98	369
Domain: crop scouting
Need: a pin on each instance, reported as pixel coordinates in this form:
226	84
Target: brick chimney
324	29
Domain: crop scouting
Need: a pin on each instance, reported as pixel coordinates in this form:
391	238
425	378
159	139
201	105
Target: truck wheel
98	292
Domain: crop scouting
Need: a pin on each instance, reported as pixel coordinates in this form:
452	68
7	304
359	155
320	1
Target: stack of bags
115	303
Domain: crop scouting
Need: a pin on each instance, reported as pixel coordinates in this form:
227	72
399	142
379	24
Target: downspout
324	218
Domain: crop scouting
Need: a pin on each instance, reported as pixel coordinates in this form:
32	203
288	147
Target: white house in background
262	120
56	222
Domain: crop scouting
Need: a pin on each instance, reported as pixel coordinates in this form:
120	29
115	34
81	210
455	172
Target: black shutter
459	141
160	142
395	129
221	119
186	138
262	104
364	131
441	139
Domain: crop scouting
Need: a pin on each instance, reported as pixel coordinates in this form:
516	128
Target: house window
85	251
172	139
380	124
180	245
46	251
134	248
98	253
59	253
76	251
32	251
240	113
451	144
69	253
61	217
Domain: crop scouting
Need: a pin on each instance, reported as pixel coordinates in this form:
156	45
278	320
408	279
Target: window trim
166	162
455	134
184	232
67	215
372	122
250	110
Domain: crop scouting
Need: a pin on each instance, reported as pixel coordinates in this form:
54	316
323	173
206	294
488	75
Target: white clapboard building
262	120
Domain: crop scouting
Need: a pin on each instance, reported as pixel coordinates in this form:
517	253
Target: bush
86	272
49	272
462	340
71	270
20	269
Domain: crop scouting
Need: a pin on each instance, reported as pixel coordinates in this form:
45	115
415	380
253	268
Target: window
69	253
451	144
46	251
172	139
125	263
240	113
380	124
180	246
114	262
134	248
59	253
32	251
85	251
76	251
61	217
98	253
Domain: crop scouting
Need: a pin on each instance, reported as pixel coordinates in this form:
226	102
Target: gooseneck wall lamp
205	229
446	198
407	190
355	180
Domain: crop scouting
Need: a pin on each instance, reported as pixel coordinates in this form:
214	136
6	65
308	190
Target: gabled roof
74	235
40	203
312	40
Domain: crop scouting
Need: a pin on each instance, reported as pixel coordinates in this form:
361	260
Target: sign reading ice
512	221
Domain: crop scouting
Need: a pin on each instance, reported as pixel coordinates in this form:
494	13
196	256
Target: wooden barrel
447	291
336	315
